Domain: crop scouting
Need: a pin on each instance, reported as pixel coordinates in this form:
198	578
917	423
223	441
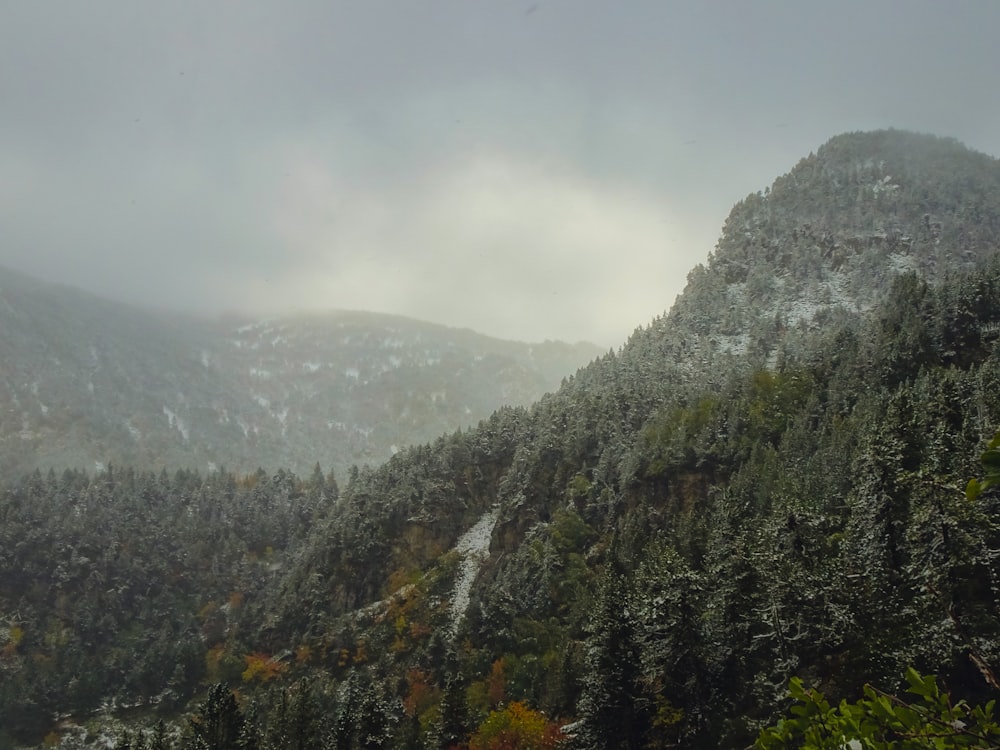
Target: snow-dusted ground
736	345
382	605
474	546
177	423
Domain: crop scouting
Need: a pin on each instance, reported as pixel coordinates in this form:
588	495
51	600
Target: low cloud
521	251
542	175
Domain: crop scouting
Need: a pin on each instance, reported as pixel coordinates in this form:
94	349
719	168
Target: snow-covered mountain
86	383
766	482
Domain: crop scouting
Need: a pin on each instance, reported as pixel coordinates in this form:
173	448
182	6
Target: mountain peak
831	234
877	187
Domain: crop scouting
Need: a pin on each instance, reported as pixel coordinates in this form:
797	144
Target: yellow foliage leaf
262	667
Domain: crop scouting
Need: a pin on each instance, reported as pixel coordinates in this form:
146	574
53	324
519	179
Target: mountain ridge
81	373
751	488
641	442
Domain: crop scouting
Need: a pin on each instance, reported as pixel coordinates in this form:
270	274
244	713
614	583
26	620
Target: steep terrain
85	384
826	240
766	482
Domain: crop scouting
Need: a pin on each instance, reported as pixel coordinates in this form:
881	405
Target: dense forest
763	488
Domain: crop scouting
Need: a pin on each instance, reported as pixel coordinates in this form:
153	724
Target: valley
766	483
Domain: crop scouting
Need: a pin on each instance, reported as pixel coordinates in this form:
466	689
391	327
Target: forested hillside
86	384
762	484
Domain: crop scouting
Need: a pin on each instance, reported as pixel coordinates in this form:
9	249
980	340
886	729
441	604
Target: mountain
86	383
766	482
831	234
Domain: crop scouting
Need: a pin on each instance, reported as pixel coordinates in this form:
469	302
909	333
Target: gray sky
530	169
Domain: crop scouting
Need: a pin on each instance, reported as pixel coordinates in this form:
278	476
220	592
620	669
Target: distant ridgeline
86	384
767	482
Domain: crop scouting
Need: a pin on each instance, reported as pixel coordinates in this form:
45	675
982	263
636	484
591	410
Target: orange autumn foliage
262	667
421	693
496	684
516	727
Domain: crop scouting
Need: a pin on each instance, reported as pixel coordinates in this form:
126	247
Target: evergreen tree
611	703
219	724
452	727
159	740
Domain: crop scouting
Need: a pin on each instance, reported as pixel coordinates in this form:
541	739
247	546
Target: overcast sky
529	169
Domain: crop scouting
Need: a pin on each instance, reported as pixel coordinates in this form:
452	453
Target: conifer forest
769	518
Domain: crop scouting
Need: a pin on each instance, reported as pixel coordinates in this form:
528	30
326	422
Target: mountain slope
676	532
661	468
86	383
829	236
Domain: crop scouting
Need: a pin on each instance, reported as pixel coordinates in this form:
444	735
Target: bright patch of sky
531	170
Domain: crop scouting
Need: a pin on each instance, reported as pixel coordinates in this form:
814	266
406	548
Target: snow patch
176	422
736	345
900	263
133	430
802	310
311	366
382	605
474	546
26	432
885	185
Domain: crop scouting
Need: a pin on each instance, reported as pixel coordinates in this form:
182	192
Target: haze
531	170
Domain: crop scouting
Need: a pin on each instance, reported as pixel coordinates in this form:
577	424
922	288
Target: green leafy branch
883	722
990	459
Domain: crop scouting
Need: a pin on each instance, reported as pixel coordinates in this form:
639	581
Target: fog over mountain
768	486
344	242
531	170
86	383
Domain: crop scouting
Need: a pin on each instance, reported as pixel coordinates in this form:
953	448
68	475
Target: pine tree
160	740
610	705
219	725
452	727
